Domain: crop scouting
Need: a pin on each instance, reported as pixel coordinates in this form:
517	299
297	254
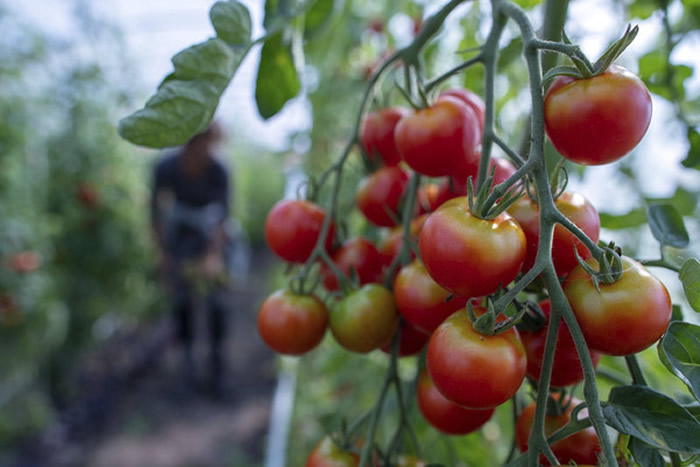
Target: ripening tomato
574	207
364	320
566	369
390	246
377	134
439	140
597	120
379	194
472	100
411	341
421	301
581	447
625	317
472	370
292	228
447	416
355	254
469	256
292	324
328	454
456	186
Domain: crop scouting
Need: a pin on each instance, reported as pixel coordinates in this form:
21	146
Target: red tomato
469	256
472	100
292	324
25	261
411	342
364	320
377	134
625	317
420	300
447	416
292	228
439	140
456	186
597	120
581	447
378	195
472	370
358	254
390	246
427	198
328	454
564	244
566	369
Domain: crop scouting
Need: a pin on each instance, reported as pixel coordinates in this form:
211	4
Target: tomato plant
472	370
624	317
292	324
470	256
292	228
445	415
582	447
597	120
439	140
365	319
356	256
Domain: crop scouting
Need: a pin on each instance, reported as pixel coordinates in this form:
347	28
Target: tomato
420	300
25	261
581	447
439	140
87	195
328	454
574	207
411	342
469	256
566	369
626	316
472	100
292	228
427	198
409	461
456	186
444	415
364	320
355	254
379	194
292	324
377	134
597	120
390	246
472	370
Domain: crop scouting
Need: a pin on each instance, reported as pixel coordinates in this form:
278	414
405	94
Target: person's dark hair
213	134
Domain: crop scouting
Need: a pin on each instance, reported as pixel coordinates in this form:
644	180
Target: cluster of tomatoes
464	258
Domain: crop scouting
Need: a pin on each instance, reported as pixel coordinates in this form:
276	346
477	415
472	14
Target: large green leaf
679	350
666	224
186	100
654	418
277	77
231	21
690	277
644	454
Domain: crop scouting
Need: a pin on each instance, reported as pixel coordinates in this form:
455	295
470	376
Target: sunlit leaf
231	21
690	278
277	80
653	417
680	352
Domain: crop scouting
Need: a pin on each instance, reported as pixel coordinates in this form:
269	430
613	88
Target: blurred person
189	215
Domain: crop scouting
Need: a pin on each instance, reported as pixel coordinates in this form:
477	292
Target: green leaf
277	77
654	418
644	454
683	200
690	278
528	3
679	350
666	224
231	21
187	98
676	313
318	15
692	160
653	69
642	9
